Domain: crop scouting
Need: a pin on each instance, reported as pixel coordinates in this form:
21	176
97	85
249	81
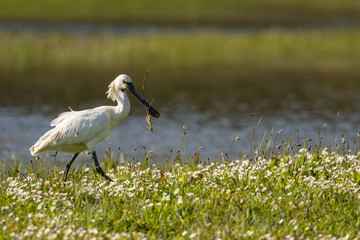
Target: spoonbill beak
152	110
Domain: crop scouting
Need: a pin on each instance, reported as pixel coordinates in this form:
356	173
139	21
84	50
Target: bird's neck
123	104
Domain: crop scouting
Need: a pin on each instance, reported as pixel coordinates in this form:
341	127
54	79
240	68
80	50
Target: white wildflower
192	235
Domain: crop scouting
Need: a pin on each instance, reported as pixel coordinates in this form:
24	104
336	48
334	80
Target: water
213	120
85	28
20	130
215	107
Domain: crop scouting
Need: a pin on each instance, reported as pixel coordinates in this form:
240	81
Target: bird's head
122	83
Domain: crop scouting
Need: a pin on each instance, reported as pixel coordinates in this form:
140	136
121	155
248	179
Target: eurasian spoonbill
76	131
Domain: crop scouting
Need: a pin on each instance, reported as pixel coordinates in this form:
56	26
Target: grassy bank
179	12
295	195
192	50
292	50
198	59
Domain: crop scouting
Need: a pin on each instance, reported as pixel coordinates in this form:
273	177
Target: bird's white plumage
76	131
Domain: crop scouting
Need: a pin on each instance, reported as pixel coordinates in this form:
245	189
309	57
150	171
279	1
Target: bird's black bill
152	110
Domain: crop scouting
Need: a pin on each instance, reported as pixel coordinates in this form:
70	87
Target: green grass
333	48
197	59
296	194
184	12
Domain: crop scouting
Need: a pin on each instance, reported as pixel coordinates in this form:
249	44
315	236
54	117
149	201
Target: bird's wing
82	126
62	117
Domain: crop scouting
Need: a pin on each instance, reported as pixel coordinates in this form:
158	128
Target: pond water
213	119
214	113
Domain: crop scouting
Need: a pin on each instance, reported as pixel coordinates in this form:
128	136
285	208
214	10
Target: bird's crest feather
111	93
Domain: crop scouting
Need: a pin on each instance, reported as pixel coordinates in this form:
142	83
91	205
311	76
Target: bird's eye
124	81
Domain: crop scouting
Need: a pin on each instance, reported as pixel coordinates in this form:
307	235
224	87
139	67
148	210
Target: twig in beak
148	116
144	81
148	119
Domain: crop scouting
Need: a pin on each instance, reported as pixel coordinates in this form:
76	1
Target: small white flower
249	233
39	234
68	232
176	191
94	231
192	235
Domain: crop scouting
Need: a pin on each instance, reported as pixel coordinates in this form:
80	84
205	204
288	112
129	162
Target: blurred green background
244	12
256	43
216	60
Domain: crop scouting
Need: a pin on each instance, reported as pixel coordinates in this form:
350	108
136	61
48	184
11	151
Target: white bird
76	131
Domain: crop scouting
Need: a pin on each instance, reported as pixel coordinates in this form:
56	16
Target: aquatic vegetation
272	57
300	195
208	48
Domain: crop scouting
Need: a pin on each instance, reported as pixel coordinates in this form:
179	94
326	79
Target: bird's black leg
98	168
68	165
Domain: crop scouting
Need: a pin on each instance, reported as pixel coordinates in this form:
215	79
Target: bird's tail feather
32	151
47	139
